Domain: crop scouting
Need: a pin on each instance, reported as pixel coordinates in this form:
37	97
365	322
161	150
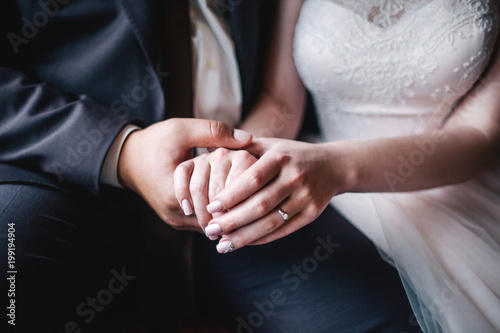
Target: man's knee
62	252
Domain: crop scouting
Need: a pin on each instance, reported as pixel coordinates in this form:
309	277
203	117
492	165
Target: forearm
280	108
410	163
270	118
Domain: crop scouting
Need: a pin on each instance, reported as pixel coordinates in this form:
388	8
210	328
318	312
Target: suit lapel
244	22
162	30
248	27
251	24
144	17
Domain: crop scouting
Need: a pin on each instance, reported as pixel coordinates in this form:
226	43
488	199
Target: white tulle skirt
445	243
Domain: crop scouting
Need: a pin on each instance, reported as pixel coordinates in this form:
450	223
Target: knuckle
256	179
313	213
217	128
272	224
220	154
216	189
196	186
308	194
241	153
213	192
245	156
298	177
263	206
282	157
222	151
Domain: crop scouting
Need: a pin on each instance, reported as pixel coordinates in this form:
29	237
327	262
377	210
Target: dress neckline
374	32
372	29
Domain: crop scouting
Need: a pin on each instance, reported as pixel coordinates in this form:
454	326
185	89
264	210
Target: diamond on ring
283	215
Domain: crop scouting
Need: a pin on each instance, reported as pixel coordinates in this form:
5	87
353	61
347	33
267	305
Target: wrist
109	170
125	169
272	118
344	167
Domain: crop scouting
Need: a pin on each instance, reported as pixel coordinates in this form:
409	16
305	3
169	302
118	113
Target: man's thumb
212	133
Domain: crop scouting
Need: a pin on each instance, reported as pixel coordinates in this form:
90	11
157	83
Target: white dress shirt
216	80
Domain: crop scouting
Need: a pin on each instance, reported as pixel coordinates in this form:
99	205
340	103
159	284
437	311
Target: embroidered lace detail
393	57
382	13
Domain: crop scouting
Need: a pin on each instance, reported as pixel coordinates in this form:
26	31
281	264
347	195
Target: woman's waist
344	124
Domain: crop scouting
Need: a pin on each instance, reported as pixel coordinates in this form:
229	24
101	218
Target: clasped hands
233	192
242	196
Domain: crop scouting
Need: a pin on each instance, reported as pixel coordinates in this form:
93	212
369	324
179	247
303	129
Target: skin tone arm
301	178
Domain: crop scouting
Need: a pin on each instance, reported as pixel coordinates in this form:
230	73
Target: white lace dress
381	68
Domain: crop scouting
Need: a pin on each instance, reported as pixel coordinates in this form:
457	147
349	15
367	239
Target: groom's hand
150	156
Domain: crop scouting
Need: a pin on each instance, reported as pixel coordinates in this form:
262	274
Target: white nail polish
213	230
214	207
225	247
186	207
241	135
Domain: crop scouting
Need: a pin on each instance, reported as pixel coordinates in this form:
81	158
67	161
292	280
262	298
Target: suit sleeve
45	130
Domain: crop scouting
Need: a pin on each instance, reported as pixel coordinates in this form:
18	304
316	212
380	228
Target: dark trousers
79	261
327	277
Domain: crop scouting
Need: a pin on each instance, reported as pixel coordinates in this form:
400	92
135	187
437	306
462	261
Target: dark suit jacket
67	67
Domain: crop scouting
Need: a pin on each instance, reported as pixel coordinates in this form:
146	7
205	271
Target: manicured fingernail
212	238
213	230
241	135
225	247
214	207
186	207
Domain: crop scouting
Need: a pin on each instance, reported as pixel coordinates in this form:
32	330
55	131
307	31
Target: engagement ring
283	215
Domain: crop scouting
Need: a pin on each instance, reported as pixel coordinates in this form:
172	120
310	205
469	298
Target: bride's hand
198	180
295	177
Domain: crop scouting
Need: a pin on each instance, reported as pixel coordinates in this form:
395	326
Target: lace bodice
391	67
